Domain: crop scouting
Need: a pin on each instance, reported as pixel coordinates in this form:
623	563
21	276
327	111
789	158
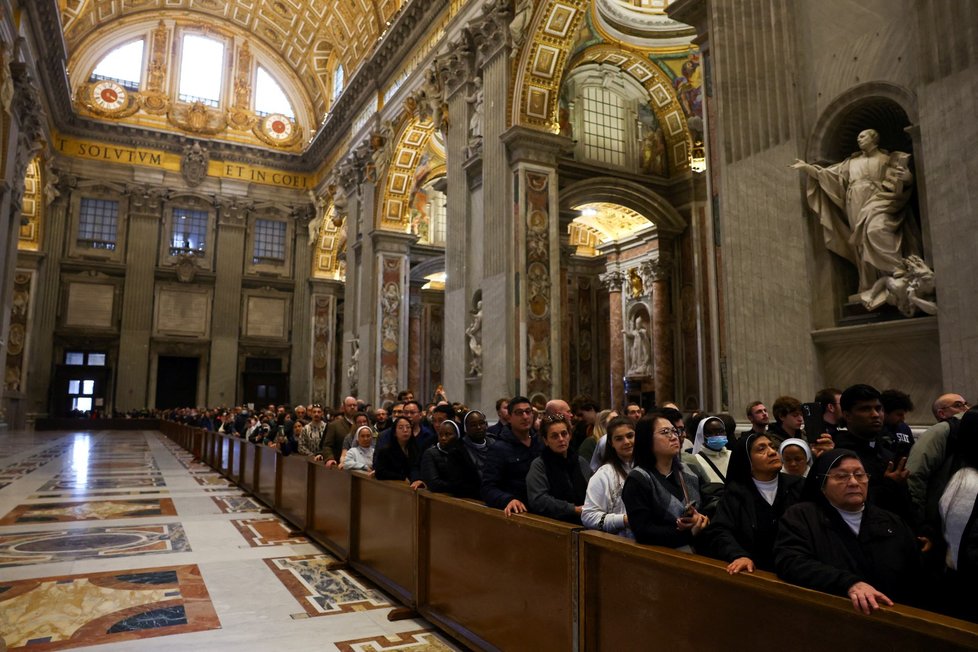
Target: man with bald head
930	460
558	406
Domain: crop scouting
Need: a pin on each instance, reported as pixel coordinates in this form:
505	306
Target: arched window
339	79
269	96
123	65
201	70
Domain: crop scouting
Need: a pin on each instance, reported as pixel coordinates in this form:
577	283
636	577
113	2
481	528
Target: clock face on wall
277	127
109	96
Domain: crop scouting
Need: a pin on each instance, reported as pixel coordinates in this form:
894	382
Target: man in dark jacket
863	412
504	476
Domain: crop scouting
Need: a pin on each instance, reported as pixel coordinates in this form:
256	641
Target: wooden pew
634	596
497	581
384	544
268	475
331	510
294	487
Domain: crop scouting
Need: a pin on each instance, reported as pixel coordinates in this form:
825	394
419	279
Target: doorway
176	382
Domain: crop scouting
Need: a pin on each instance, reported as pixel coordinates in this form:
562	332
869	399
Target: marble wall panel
90	305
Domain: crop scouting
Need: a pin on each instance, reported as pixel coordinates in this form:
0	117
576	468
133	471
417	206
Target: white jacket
603	508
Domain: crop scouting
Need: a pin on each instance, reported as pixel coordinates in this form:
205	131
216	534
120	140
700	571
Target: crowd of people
859	507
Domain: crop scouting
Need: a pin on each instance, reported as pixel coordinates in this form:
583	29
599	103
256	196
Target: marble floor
119	541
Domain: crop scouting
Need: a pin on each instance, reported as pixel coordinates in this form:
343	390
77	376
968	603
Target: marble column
347	201
663	348
540	311
300	366
415	342
501	372
390	300
325	357
612	283
142	250
45	300
459	233
222	382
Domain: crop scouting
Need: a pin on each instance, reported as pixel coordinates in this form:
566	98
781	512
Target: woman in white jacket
603	508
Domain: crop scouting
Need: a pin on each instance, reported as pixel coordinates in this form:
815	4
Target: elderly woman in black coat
757	494
838	543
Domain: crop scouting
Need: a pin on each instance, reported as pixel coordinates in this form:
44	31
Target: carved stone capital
233	211
145	199
612	281
661	268
491	30
458	66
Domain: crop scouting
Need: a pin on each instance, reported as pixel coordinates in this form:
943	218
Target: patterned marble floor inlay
422	640
26	548
79	494
211	480
53	613
65	484
237	504
96	510
261	532
322	590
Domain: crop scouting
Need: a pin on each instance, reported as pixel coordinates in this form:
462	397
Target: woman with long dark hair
400	459
661	494
603	506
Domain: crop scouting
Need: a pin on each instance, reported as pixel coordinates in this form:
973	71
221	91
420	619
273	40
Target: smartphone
814	423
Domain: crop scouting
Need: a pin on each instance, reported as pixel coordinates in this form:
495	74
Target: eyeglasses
957	405
668	433
842	476
522	413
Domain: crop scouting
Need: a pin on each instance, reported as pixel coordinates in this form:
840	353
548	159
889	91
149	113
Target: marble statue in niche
640	351
477	100
316	223
474	333
353	371
522	14
863	206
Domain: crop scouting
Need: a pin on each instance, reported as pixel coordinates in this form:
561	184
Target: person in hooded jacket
837	542
757	494
447	468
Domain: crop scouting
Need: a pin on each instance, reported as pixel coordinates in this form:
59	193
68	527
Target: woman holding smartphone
661	493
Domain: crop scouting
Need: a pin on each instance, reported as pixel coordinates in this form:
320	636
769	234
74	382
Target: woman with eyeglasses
756	496
838	543
661	494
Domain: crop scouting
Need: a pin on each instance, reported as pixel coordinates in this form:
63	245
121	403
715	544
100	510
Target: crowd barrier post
295	496
332	512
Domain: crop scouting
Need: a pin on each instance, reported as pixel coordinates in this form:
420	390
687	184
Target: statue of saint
862	205
474	333
639	353
476	99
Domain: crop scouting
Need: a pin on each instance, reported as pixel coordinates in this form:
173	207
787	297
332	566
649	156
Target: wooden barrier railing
525	582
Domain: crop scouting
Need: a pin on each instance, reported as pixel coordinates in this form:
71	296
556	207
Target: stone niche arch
892	111
627	193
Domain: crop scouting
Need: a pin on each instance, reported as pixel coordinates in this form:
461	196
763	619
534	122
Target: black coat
450	471
816	549
653	506
504	475
746	526
390	462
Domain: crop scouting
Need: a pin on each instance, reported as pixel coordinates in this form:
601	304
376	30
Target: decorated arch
411	160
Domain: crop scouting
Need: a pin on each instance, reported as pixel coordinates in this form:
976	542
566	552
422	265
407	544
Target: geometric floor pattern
91	554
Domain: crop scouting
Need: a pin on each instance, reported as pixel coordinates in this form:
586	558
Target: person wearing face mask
837	542
710	448
756	496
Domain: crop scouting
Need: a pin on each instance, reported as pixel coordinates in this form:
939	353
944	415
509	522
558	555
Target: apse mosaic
89	511
321	588
26	548
53	613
